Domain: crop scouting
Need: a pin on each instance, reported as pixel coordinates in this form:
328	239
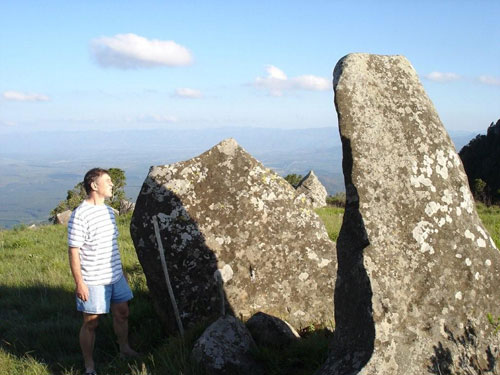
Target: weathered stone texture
314	191
418	271
225	349
224	211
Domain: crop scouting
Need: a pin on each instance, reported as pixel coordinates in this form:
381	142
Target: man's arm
82	291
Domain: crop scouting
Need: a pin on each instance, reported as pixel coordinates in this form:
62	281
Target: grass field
39	324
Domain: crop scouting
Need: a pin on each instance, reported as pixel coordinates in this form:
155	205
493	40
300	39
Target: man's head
98	180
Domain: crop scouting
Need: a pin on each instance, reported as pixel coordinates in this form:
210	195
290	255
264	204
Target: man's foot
90	372
129	353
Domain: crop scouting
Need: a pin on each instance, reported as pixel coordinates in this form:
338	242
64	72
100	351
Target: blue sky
67	65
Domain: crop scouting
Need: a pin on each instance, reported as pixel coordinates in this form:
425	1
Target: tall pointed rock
417	270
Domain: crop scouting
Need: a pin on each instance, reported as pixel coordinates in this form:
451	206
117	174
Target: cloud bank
490	80
188	93
442	77
131	51
276	82
153	118
24	97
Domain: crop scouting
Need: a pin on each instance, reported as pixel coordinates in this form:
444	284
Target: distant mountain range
37	169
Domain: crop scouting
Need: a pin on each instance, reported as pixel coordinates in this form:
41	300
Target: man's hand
82	291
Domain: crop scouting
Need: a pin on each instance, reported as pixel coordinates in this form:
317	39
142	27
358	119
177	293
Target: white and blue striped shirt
92	228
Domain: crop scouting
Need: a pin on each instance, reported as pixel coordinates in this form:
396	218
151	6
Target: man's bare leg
87	339
120	324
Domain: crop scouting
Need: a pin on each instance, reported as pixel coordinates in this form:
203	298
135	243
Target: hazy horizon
34	179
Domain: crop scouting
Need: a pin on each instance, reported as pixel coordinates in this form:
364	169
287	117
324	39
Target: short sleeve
76	230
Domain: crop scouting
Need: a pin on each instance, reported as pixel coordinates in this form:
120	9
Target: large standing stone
313	190
417	271
223	211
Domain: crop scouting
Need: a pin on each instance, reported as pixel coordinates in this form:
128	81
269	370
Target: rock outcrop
225	349
126	207
63	217
223	213
417	270
313	190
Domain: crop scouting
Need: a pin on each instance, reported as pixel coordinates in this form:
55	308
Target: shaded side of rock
225	348
269	330
314	191
417	270
224	211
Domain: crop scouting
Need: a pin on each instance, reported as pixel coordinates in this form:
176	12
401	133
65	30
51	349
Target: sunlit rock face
417	270
223	215
314	191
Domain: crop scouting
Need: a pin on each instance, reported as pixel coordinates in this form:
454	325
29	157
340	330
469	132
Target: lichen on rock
418	279
223	213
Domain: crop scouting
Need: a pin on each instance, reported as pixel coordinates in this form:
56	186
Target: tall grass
490	216
332	218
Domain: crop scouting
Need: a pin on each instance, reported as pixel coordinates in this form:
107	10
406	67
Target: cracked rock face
313	190
224	216
418	271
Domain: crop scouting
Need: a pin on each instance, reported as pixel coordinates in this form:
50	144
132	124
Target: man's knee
120	311
90	321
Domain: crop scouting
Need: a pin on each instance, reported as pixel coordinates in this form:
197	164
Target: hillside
35	175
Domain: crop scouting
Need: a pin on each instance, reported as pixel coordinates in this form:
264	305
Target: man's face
104	186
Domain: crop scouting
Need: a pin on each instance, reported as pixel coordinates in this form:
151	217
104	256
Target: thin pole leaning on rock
167	278
220	286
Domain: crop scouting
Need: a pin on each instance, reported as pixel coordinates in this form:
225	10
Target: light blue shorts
102	296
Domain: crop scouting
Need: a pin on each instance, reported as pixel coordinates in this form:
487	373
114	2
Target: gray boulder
225	348
126	207
224	211
271	331
417	270
63	217
314	192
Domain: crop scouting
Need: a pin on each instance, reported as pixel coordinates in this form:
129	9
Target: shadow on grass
302	357
42	323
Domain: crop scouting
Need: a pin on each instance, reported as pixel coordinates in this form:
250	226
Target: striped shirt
92	228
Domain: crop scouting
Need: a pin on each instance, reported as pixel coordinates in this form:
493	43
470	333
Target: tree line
481	160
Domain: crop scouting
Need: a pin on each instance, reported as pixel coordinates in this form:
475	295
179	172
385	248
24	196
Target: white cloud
24	97
490	80
188	93
130	51
277	82
153	118
442	77
7	123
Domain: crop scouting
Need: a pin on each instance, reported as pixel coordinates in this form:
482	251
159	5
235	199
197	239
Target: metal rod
167	278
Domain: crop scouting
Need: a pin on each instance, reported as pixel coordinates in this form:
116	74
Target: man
96	266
